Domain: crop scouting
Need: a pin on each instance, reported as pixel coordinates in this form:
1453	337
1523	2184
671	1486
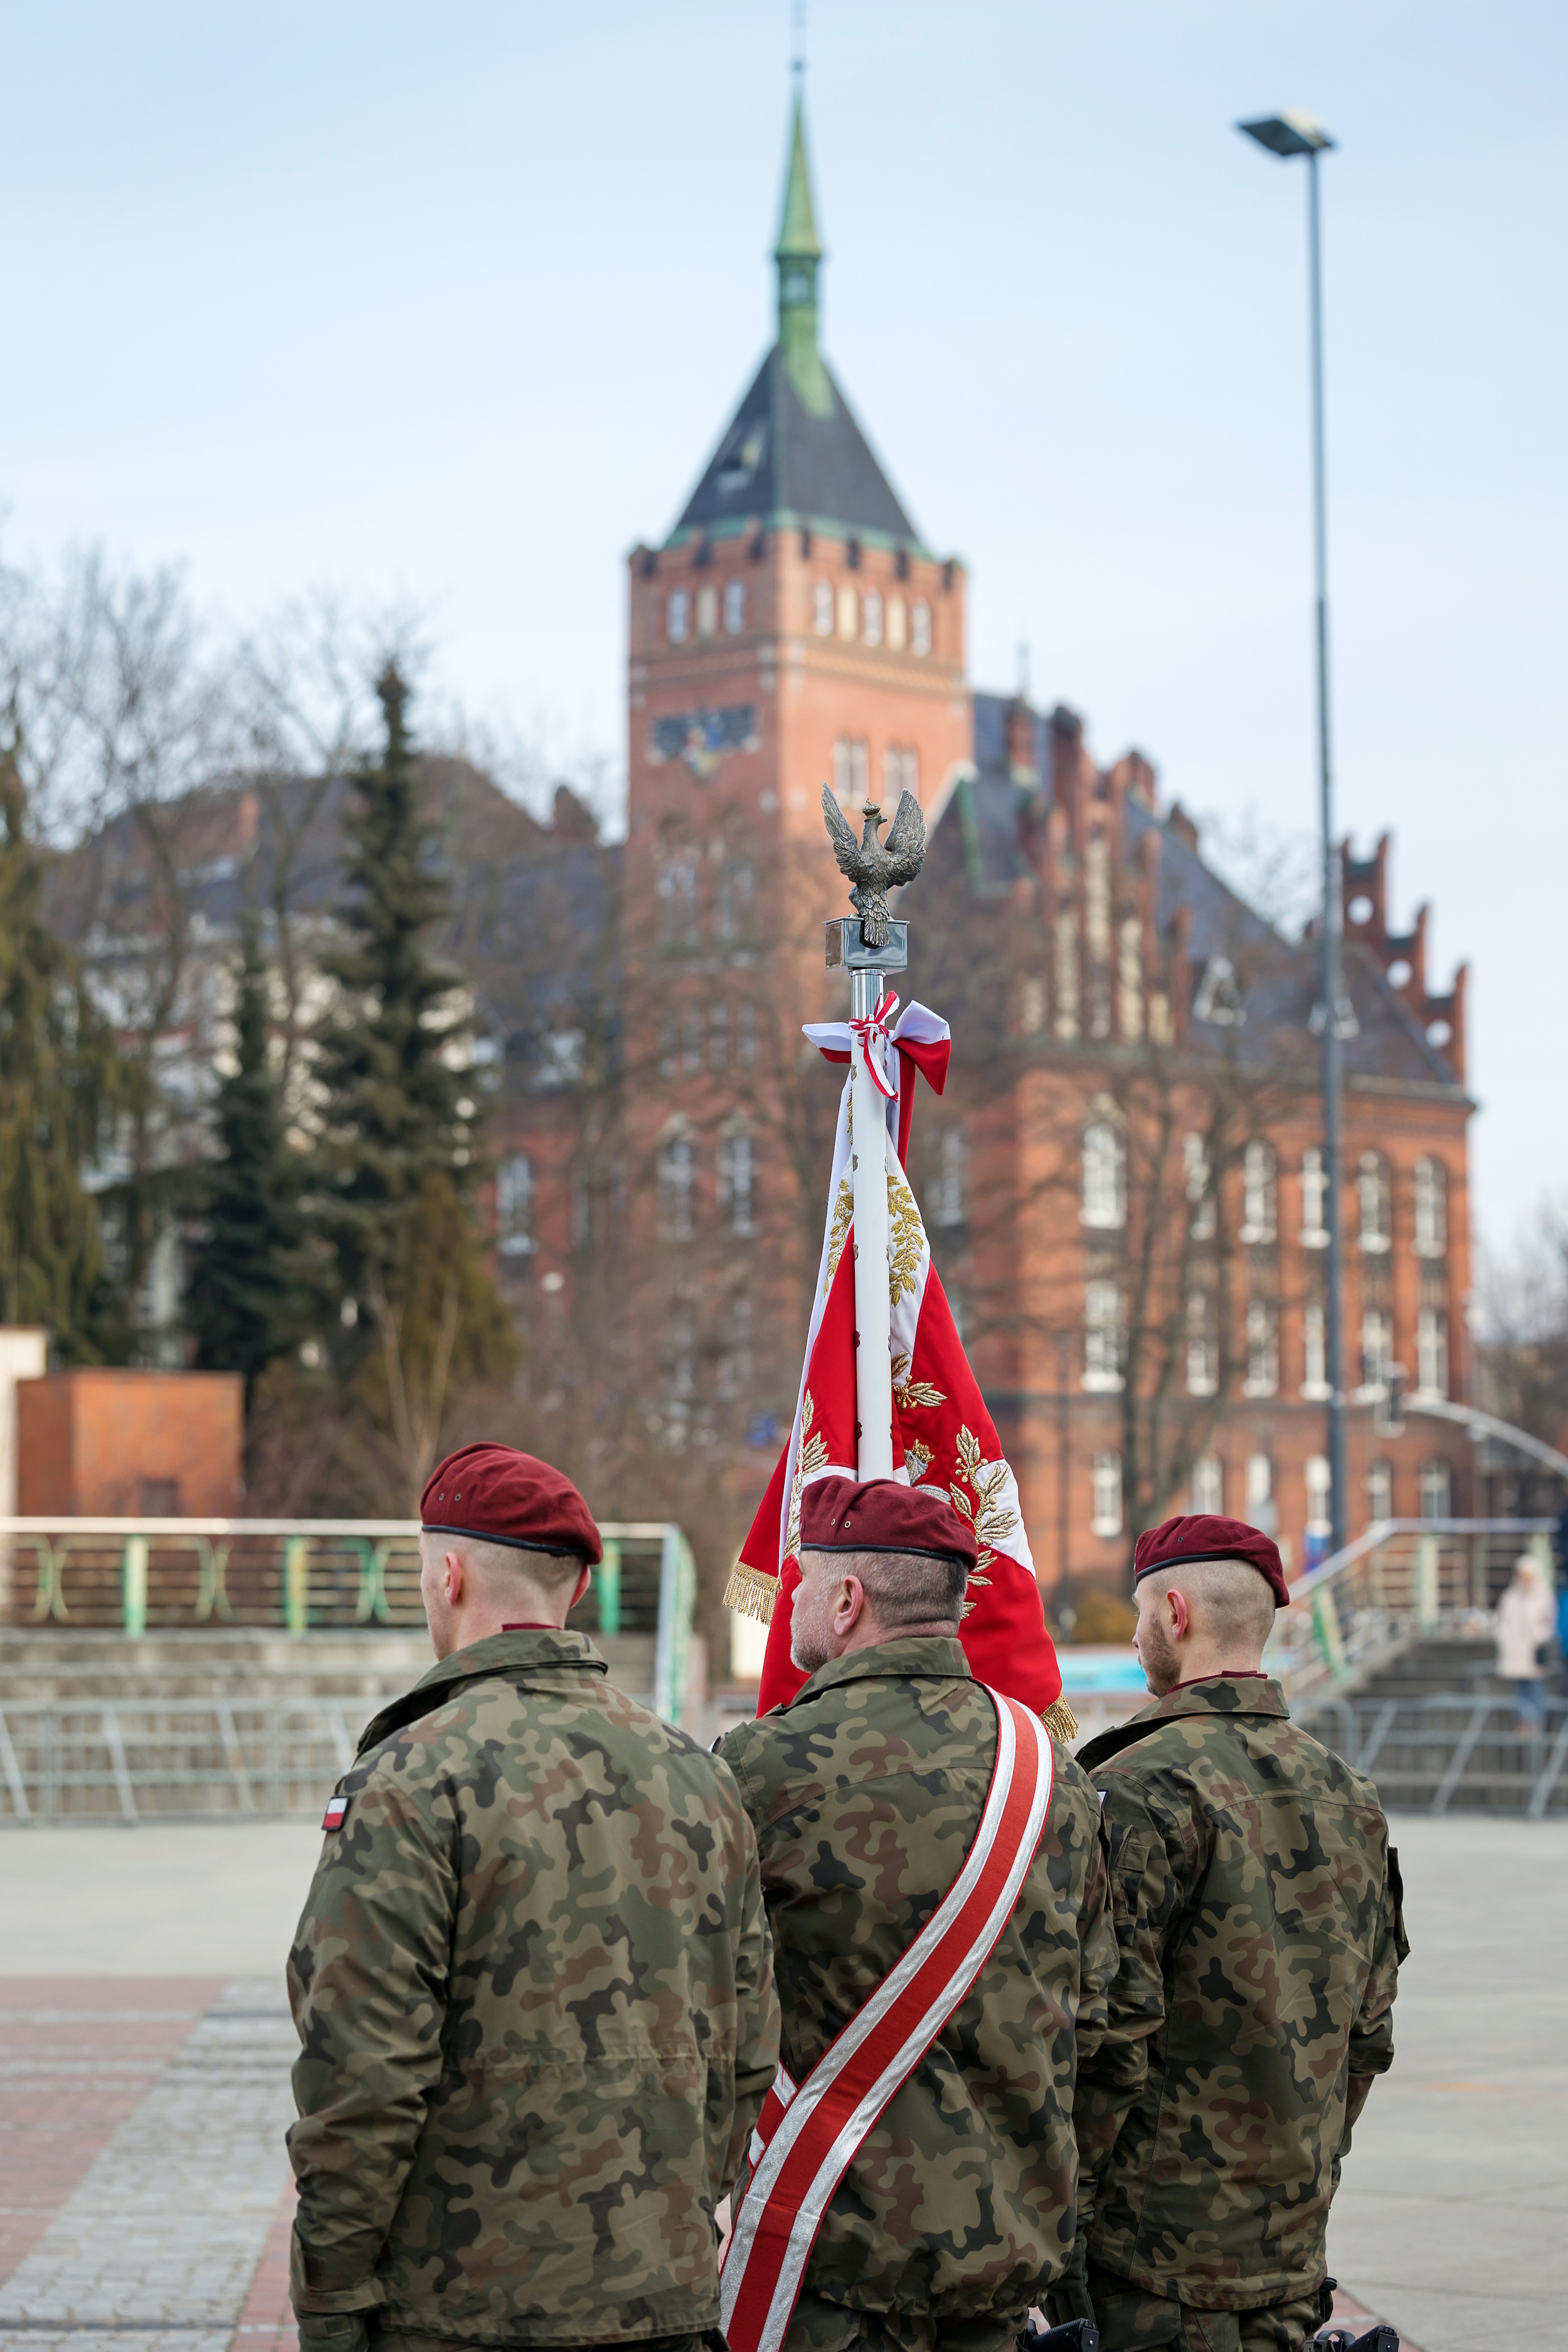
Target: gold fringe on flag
1060	1721
752	1594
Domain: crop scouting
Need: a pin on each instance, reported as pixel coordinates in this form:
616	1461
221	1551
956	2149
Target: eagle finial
874	867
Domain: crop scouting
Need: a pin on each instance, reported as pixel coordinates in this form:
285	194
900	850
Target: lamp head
1290	132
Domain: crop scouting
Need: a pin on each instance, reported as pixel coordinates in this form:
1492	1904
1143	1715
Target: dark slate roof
979	845
776	461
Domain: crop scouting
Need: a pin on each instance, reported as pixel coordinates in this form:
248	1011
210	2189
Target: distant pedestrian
1526	1622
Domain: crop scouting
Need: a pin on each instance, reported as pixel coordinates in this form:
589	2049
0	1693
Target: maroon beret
499	1495
884	1515
1199	1535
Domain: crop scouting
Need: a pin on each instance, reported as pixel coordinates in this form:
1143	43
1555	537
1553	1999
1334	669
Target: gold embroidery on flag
750	1594
811	1457
843	1214
917	1461
988	1514
905	1239
908	1393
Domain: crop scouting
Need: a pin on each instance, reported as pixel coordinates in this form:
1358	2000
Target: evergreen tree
248	1296
394	1110
60	1085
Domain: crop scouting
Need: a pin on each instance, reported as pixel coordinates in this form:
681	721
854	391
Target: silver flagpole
869	945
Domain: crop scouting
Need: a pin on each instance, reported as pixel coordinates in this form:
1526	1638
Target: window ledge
1259	1388
1103	1383
1316	1391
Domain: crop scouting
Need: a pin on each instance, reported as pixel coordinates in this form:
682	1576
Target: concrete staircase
1434	1727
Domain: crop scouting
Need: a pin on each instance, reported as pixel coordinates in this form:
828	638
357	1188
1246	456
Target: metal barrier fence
143	1758
1433	1749
1402	1579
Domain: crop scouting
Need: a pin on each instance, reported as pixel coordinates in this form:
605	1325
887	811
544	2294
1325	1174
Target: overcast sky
447	304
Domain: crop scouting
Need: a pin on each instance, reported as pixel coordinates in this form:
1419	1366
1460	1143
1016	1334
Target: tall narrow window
734	606
1203	1352
1380	1490
898	624
871	617
1376	1346
692	1026
948	1205
1259	1217
735	1183
1431	1208
677	616
1431	1353
848	611
707	609
822	608
734	1374
1200	1193
1262	1348
675	1172
1105	1496
1434	1487
1315	1353
514	1205
746	1035
1208	1485
1259	1488
859	769
1104	1176
920	626
732	899
718	1034
1373	1188
1314	1195
678	898
1317	1483
843	787
1102	1336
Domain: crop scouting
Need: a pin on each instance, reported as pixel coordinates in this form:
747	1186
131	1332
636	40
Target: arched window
871	617
1260	1488
1377	1205
1105	1496
1102	1337
735	1183
1314	1195
1208	1485
1318	1486
1431	1208
1202	1352
1104	1176
675	1173
1262	1348
901	772
898	624
1376	1346
707	609
1314	1352
822	608
920	626
677	616
1259	1207
1431	1352
948	1206
1434	1486
1195	1169
734	606
677	898
848	611
514	1205
851	770
1380	1490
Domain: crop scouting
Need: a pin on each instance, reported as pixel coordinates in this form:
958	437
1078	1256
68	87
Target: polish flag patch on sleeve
332	1819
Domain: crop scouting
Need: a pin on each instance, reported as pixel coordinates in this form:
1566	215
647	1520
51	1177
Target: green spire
798	254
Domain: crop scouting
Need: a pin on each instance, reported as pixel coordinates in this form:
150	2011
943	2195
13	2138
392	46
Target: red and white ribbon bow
872	1032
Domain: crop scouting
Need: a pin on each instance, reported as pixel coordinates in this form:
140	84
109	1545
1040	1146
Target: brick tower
793	629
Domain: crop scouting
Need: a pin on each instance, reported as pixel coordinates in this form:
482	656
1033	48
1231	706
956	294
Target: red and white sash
807	2136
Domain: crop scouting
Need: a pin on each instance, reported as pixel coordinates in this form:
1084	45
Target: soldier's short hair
1231	1600
501	1568
906	1588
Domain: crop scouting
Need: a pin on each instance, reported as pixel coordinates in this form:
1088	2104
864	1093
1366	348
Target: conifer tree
394	1110
60	1084
248	1295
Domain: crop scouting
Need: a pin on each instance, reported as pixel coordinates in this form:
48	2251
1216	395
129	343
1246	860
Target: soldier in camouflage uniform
531	1982
1258	1915
866	1790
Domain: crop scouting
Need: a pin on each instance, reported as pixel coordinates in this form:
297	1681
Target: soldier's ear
583	1581
1179	1618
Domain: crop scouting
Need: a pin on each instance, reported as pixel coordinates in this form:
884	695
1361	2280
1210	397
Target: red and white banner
807	2135
943	1436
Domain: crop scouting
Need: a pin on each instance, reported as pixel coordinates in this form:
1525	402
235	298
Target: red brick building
105	1443
1124	1183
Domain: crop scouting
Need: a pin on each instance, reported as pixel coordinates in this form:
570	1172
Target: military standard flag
943	1437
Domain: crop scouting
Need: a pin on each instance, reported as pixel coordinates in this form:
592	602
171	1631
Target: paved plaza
144	2046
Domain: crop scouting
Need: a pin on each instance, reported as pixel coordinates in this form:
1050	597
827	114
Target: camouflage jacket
1257	1906
867	1791
535	2012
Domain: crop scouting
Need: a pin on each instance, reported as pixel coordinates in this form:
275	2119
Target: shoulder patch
337	1807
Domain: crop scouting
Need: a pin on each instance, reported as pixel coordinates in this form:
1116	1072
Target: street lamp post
1290	134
